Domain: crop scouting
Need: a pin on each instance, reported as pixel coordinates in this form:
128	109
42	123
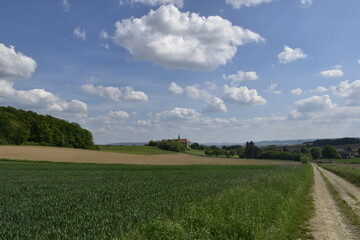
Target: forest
27	127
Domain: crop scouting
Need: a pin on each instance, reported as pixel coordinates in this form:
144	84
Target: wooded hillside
19	126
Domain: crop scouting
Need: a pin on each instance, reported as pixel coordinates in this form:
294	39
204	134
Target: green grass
349	173
141	150
94	201
195	152
350	160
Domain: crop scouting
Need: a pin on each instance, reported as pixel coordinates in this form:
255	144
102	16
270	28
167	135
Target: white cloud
215	104
211	85
306	2
319	89
297	91
106	121
333	73
66	4
247	3
243	95
273	89
115	93
289	55
104	35
179	3
359	61
315	103
105	45
183	40
196	93
177	114
39	99
118	114
349	91
192	91
240	76
174	88
80	33
15	65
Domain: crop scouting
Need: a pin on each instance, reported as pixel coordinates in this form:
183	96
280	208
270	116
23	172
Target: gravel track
54	154
349	192
328	223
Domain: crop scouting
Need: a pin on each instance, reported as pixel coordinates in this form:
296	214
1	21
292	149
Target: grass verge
348	173
352	217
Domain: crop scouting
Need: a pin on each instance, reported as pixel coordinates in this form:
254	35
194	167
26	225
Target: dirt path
55	154
349	192
328	222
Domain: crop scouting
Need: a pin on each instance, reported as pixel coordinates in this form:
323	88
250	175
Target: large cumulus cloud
182	40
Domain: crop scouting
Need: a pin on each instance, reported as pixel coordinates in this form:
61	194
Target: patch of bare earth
328	223
55	154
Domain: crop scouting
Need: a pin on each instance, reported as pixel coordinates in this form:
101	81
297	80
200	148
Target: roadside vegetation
349	173
91	201
140	150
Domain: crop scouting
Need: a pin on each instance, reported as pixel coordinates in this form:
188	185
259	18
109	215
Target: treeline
168	145
251	151
19	127
335	142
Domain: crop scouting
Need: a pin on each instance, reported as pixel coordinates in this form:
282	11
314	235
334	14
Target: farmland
139	150
80	201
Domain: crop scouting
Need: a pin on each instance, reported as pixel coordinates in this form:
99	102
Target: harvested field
54	154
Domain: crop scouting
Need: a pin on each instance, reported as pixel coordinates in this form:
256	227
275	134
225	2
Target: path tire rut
328	223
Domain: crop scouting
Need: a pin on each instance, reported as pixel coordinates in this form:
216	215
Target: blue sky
212	71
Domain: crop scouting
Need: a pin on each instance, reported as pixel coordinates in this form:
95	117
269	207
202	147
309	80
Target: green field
93	201
350	160
141	150
349	173
195	152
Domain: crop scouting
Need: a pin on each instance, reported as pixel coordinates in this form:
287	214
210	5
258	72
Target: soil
54	154
329	223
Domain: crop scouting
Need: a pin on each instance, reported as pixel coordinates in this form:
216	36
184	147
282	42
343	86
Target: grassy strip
342	204
349	173
274	205
140	150
351	160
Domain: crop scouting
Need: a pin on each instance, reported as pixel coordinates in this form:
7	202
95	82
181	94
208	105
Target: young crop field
92	201
141	150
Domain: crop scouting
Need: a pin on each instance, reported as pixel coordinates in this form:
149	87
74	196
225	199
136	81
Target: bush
168	145
304	159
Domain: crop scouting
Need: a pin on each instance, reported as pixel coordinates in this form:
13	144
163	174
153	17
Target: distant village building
184	141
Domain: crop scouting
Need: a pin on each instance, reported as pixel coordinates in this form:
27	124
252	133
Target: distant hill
127	144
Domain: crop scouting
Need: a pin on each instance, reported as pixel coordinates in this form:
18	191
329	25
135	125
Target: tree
330	152
315	153
304	150
251	150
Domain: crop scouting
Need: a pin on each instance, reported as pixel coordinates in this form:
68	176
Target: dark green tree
315	153
330	152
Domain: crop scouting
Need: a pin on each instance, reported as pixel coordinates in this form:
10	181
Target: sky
211	71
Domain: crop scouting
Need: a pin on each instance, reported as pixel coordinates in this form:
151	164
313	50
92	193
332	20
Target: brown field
54	154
